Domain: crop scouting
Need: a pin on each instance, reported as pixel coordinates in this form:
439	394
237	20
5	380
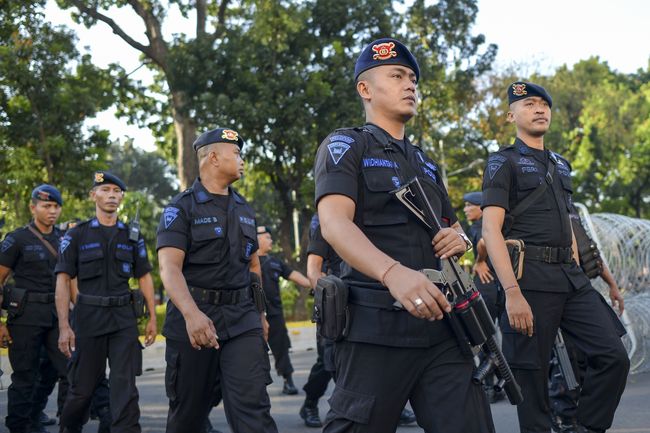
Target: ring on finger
418	302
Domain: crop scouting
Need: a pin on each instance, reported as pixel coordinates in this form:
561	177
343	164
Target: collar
94	223
202	195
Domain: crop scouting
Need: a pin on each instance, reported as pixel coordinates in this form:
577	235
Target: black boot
406	417
46	420
309	413
104	416
289	388
209	428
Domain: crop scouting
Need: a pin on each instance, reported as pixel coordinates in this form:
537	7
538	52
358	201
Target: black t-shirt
217	234
352	162
272	269
32	266
103	259
319	247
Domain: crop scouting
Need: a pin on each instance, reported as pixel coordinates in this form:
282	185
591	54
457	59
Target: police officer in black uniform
30	254
553	292
207	248
102	256
389	355
272	269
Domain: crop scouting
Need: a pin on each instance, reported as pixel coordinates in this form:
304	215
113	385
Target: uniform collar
202	195
94	223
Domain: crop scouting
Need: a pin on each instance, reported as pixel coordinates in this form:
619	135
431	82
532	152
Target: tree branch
158	46
200	18
94	13
221	19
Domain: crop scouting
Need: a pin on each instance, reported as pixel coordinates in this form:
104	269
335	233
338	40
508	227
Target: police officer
391	355
272	269
102	256
553	292
30	254
207	247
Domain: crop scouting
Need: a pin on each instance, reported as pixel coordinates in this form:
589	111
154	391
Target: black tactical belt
549	254
219	297
40	298
104	301
381	299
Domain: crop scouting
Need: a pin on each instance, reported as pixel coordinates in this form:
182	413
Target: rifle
564	362
469	319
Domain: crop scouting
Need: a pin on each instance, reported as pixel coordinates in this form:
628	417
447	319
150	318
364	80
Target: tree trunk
188	168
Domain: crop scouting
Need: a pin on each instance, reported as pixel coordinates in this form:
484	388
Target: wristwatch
468	243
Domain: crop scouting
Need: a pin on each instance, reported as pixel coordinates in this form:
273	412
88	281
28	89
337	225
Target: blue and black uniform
218	235
558	292
103	259
390	357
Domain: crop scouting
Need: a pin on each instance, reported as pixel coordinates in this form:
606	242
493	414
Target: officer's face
45	212
532	115
265	242
391	89
472	211
107	197
229	160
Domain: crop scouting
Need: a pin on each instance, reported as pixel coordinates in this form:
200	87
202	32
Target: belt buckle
547	254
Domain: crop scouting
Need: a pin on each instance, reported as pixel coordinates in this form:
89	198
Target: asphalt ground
633	415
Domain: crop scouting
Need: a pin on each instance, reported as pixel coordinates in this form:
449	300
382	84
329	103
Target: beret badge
519	89
384	51
229	134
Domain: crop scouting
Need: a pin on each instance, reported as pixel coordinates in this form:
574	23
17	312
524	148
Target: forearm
146	286
481	251
574	248
176	286
314	268
255	266
299	279
607	276
62	299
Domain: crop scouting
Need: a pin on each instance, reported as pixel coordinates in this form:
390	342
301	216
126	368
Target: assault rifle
469	318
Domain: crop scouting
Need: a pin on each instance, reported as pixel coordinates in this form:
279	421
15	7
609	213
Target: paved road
633	415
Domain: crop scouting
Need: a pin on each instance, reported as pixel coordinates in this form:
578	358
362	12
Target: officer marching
527	197
388	356
102	256
30	254
207	249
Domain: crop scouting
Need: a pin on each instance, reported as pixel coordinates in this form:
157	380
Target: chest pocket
526	185
379	206
91	263
567	188
207	243
33	254
124	263
249	236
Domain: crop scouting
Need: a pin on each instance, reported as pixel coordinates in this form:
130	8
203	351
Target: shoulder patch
65	243
169	215
8	242
337	149
493	167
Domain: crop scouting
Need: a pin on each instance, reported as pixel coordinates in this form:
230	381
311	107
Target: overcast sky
539	34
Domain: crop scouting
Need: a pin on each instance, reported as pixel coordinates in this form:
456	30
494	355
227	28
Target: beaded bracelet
505	289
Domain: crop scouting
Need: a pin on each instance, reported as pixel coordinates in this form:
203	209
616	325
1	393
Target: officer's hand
617	298
201	330
265	327
150	332
447	242
483	271
66	341
5	338
520	315
416	293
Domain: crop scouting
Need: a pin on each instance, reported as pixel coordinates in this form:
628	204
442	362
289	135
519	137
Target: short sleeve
496	182
9	251
286	269
173	229
336	169
317	245
142	264
68	252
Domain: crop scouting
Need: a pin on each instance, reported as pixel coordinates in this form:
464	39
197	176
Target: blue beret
219	135
103	177
47	192
522	90
385	51
475	198
263	229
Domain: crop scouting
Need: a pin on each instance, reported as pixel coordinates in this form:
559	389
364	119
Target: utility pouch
138	303
331	312
15	300
516	250
257	293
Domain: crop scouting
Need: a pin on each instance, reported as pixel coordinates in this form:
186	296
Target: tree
47	91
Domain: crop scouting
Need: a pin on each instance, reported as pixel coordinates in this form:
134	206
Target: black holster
331	312
257	292
138	303
14	301
516	249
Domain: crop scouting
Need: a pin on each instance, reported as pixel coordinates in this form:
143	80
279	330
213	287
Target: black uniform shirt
353	163
33	269
218	242
512	174
475	233
318	246
272	269
103	259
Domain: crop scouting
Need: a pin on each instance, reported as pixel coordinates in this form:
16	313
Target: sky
536	36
